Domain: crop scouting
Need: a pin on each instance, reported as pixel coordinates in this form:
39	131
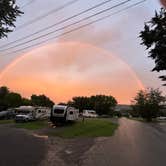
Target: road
134	144
17	148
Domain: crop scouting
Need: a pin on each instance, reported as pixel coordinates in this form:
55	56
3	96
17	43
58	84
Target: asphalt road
17	148
134	144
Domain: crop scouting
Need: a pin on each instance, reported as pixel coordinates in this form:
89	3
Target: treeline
149	104
11	99
102	104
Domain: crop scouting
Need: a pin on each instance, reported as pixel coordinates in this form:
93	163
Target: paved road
17	148
134	144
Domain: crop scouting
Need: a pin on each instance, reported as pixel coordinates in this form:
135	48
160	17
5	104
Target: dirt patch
70	152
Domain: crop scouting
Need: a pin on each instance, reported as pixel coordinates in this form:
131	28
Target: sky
103	58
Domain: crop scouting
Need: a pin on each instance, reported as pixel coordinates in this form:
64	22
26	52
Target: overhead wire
55	24
78	28
46	14
69	25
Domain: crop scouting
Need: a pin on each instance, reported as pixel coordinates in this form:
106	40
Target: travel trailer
89	113
28	113
62	114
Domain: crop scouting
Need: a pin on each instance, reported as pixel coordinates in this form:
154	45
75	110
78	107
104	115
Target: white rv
89	113
27	113
61	113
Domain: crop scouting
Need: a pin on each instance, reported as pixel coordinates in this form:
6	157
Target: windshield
58	111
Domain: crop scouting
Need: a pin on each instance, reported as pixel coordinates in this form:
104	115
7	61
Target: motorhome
62	114
89	113
27	113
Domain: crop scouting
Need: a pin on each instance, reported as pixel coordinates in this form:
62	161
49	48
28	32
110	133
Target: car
161	118
23	118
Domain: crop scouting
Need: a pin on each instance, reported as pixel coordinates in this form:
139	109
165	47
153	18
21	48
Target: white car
161	118
23	118
90	114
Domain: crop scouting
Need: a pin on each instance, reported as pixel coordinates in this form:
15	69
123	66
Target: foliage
41	100
3	93
148	103
154	38
11	99
88	128
8	13
102	104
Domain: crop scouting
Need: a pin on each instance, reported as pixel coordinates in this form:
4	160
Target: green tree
8	13
3	92
102	104
148	103
154	38
26	102
13	99
41	100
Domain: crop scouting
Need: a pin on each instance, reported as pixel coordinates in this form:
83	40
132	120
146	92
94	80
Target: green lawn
35	125
6	121
88	128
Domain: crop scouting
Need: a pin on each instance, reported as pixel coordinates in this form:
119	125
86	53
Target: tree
41	100
3	92
8	13
148	103
13	99
26	102
102	104
154	38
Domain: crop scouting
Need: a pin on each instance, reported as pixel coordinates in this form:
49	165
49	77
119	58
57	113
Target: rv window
58	111
71	112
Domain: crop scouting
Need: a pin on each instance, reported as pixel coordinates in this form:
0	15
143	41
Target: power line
78	28
28	3
46	14
69	25
60	22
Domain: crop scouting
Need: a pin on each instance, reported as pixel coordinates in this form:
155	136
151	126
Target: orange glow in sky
69	69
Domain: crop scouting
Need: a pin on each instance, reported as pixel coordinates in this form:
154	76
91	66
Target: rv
62	114
25	114
89	113
28	113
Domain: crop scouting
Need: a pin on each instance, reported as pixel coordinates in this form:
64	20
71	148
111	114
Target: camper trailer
28	113
62	114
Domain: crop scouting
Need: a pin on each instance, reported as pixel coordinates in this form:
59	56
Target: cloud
68	69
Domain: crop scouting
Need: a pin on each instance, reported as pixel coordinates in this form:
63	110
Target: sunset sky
103	58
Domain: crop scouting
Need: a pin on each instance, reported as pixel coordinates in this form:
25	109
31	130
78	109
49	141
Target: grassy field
6	121
88	128
35	125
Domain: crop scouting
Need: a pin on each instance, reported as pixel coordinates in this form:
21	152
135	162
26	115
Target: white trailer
32	113
62	114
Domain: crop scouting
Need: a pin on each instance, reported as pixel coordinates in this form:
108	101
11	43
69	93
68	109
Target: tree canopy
102	104
154	38
148	103
41	100
11	99
8	14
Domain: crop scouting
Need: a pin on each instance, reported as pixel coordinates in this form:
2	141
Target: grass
8	121
35	125
88	128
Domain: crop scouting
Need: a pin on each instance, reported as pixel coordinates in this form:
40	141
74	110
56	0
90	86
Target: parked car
89	113
161	118
23	118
